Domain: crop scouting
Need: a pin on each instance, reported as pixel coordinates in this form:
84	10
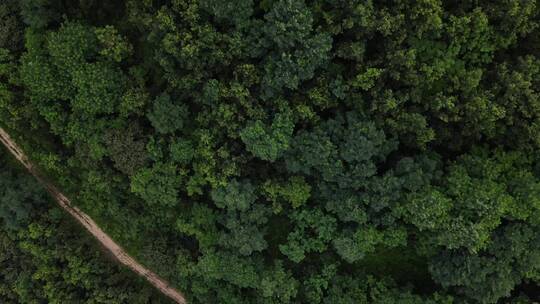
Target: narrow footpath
119	253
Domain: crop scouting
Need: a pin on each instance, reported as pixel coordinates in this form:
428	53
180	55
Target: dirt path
91	226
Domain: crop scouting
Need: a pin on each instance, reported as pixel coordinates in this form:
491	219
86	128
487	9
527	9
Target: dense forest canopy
45	258
275	151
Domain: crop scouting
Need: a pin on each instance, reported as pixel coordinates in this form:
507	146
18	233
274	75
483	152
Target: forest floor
117	251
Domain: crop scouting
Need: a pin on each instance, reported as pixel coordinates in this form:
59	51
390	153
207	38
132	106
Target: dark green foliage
157	185
343	151
39	13
18	195
46	258
296	50
348	290
126	150
513	256
167	116
295	192
114	46
235	196
182	151
242	217
245	231
278	285
11	27
288	151
99	89
268	143
475	195
314	230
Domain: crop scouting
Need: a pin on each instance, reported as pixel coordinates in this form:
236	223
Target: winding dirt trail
91	226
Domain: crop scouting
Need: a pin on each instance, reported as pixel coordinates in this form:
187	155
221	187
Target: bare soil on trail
115	249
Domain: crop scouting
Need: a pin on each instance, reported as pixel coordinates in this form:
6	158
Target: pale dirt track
91	226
